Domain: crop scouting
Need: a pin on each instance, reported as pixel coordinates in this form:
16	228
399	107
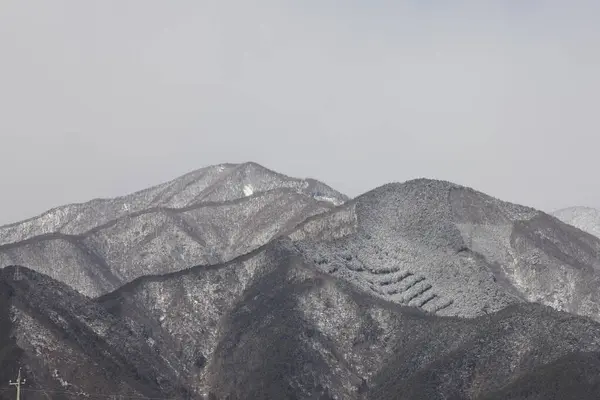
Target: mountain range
236	282
208	216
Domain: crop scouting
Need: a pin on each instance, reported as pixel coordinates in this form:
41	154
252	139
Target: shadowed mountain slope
209	216
585	218
66	343
271	325
452	250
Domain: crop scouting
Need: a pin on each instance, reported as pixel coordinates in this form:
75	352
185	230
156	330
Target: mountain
208	216
270	325
235	282
454	251
69	344
585	218
214	184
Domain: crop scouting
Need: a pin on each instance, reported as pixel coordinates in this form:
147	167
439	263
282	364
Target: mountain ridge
332	340
163	238
433	217
260	286
181	183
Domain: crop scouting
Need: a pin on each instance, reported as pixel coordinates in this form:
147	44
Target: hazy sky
101	98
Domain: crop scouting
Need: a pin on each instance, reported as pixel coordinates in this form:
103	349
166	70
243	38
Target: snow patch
331	200
248	190
63	382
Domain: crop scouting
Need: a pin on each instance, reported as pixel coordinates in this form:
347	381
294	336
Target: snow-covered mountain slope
160	239
452	250
208	216
271	325
214	184
585	218
70	347
300	293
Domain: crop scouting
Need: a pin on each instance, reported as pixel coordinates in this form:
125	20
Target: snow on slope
206	217
214	184
585	218
451	250
271	325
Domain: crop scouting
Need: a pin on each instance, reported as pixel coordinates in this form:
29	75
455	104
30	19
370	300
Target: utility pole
18	384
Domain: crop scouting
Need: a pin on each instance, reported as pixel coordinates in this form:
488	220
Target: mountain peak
422	185
213	184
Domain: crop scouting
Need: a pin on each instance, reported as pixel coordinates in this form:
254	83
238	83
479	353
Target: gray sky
101	98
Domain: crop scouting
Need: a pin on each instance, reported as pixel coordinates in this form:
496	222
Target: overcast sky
102	98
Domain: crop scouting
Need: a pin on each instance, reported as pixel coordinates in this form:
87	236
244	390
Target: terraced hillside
207	217
454	251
